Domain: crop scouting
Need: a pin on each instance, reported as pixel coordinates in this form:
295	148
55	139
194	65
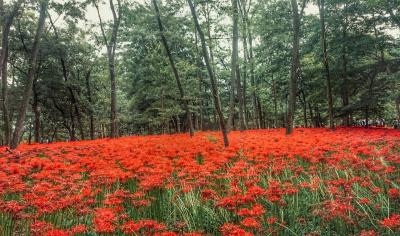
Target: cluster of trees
185	65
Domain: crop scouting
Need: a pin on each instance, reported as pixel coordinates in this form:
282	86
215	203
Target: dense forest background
76	69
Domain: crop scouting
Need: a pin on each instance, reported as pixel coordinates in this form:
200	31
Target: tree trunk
217	101
295	70
252	77
275	101
19	126
6	22
321	7
398	111
174	70
36	111
345	89
111	47
89	97
304	109
234	64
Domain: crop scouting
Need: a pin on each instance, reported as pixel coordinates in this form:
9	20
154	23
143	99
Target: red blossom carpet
316	182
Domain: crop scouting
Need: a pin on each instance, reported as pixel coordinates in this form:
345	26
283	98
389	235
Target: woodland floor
315	182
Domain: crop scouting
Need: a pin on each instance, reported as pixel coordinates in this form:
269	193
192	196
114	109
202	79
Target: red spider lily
250	222
233	230
392	222
256	210
105	220
261	177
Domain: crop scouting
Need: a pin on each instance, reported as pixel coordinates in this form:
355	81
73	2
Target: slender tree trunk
4	98
275	101
215	93
321	7
252	77
89	97
174	70
295	69
111	47
234	64
6	22
19	126
311	116
398	111
36	111
345	89
304	109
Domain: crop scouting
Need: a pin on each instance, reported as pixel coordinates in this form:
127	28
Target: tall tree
215	93
174	70
321	8
111	47
7	20
295	67
19	126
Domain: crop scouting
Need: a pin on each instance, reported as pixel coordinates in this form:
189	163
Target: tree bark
217	101
398	111
295	68
174	70
345	89
19	126
252	75
89	97
111	47
36	111
234	64
6	22
321	7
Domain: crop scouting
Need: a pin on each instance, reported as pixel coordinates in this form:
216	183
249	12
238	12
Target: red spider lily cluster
314	182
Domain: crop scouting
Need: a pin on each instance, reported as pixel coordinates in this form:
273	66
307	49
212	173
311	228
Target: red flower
392	222
250	222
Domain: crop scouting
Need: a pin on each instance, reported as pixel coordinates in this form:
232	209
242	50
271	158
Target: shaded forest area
86	69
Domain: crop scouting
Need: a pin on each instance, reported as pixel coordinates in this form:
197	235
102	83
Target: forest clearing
316	182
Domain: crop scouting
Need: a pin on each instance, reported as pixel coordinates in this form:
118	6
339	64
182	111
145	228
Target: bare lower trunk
19	126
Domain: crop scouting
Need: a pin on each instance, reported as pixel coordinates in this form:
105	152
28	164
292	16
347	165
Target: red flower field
316	182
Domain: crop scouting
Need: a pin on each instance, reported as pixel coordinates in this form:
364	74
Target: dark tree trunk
398	111
215	93
275	101
321	7
312	116
19	126
174	70
256	116
295	68
6	22
234	62
36	111
304	109
345	89
111	47
89	97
